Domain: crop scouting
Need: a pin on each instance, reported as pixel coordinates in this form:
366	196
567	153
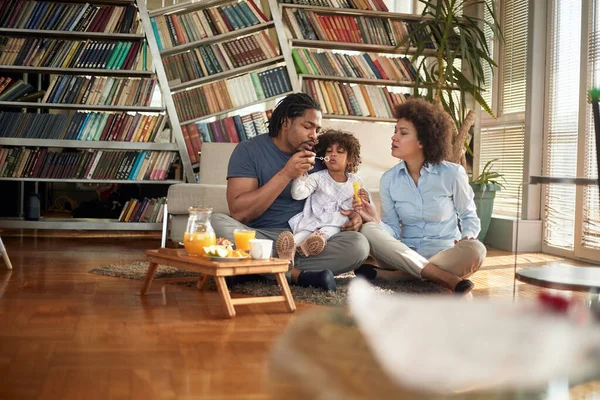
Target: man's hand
355	222
300	163
465	238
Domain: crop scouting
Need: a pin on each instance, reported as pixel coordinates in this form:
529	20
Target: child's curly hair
343	139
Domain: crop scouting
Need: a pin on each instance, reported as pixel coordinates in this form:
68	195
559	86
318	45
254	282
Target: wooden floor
69	334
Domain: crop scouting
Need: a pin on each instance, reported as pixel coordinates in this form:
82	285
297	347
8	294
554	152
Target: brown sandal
313	245
286	246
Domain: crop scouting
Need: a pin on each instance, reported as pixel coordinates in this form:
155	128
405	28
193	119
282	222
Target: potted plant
447	32
485	187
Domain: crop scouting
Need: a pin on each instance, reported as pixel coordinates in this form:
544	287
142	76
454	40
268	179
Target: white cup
260	249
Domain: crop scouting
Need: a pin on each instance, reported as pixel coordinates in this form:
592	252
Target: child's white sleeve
303	186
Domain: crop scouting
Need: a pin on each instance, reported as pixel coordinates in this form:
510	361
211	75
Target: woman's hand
366	210
364	196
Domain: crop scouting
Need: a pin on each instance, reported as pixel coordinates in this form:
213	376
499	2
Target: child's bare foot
286	246
313	245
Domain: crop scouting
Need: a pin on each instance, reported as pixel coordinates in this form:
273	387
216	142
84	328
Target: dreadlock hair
292	106
343	139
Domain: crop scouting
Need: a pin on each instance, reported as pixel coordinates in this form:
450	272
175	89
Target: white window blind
562	120
487	69
514	59
591	209
507	145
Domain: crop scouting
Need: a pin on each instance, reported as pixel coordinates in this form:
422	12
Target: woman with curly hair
429	224
327	192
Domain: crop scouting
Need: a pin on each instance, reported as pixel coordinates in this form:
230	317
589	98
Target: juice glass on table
242	238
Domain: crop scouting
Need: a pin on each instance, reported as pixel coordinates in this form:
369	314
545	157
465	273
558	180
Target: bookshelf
217	57
90	118
349	59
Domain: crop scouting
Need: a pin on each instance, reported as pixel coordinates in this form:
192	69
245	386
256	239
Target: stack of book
365	65
231	93
43	15
218	57
338	98
22	162
176	29
98	126
147	210
17	91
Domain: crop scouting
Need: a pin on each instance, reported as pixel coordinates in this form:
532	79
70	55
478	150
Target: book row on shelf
218	57
58	53
22	162
69	17
365	65
176	29
97	126
231	93
147	210
373	5
227	130
101	90
338	98
313	25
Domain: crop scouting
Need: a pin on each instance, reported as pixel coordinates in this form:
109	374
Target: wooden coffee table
178	258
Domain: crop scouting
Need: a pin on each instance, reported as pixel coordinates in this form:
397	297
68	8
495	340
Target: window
503	139
508	141
569	139
591	210
562	120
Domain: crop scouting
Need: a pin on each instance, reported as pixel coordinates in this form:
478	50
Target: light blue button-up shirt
426	217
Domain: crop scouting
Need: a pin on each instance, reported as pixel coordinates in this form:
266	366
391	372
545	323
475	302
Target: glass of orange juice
242	238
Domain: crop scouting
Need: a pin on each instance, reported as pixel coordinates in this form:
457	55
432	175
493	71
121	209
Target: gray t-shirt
261	159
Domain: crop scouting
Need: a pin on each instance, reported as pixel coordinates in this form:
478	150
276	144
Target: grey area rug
265	287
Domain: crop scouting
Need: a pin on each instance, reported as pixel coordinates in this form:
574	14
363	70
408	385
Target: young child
327	192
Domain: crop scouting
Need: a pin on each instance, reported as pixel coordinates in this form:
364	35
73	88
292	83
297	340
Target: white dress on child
325	198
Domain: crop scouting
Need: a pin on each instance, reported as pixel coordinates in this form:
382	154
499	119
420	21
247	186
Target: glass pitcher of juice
199	233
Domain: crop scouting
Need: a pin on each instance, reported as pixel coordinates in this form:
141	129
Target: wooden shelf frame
127	73
369	48
88	144
365	81
71	34
122	181
82	107
79	224
359	118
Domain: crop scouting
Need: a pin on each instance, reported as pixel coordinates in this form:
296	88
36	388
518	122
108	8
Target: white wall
375	142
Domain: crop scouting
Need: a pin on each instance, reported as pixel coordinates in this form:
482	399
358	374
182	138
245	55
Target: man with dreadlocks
259	181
